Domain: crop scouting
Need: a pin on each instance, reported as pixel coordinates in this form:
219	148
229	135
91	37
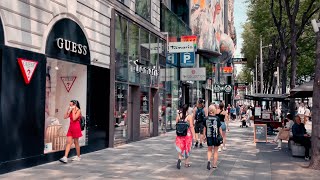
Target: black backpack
200	115
82	123
182	127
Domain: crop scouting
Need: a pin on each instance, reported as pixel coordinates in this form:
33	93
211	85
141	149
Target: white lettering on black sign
71	46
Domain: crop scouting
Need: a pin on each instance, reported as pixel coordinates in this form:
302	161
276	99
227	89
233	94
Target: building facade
106	54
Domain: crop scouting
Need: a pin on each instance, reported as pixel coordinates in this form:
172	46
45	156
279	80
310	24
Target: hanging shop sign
27	68
227	71
187	59
180	47
225	88
68	82
193	74
172	58
216	88
239	60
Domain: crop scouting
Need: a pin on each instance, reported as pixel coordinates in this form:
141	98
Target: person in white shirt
307	115
301	110
249	115
288	127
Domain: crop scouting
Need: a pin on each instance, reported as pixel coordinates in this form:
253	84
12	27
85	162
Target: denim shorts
223	126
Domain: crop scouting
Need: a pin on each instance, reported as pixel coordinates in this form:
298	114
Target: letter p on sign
187	59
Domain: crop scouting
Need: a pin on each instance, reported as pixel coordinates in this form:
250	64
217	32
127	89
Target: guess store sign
27	68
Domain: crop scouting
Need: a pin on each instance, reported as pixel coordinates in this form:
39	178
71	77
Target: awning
303	91
266	97
208	53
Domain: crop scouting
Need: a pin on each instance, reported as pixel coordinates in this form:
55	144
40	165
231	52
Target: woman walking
213	132
224	119
74	132
184	143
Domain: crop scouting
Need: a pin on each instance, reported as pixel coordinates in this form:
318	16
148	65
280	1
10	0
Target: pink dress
74	128
184	144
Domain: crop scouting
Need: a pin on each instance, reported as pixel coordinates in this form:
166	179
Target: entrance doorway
134	113
99	98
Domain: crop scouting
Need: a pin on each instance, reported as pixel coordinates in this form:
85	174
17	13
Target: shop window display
121	124
64	82
121	45
134	77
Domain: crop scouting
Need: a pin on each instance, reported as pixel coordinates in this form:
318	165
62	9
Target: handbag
284	135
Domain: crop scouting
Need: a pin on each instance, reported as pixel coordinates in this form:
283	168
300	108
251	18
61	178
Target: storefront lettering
145	70
71	46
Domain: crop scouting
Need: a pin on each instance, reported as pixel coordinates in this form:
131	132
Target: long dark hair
75	102
185	108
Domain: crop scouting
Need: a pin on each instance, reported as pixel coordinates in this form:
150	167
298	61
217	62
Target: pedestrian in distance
199	114
74	131
224	119
185	135
213	132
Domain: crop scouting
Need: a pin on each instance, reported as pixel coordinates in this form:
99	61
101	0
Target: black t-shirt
221	116
212	125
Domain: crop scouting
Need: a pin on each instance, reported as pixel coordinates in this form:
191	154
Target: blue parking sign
187	59
172	58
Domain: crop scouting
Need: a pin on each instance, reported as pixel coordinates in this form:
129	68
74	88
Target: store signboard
187	59
193	74
27	68
180	47
192	38
227	71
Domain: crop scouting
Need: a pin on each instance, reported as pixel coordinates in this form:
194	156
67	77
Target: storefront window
145	57
120	115
65	81
154	62
162	111
143	8
144	112
172	95
134	77
121	45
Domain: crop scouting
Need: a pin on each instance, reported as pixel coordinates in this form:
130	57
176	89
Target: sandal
187	165
214	167
179	164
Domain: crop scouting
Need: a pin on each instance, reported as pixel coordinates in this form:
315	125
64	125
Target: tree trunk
315	137
283	74
293	74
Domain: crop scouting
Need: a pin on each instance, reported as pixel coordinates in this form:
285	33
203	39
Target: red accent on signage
227	70
68	82
192	38
173	39
27	68
193	71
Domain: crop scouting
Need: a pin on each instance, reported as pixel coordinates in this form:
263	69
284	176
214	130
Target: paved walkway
155	158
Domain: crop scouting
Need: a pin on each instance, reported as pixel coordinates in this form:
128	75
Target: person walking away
184	143
286	131
224	119
249	115
228	109
74	131
307	115
300	136
213	133
200	114
238	112
233	113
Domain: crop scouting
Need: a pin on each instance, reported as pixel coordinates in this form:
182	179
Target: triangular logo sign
68	82
27	68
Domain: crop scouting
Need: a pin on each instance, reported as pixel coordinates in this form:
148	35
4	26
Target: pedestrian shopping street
155	158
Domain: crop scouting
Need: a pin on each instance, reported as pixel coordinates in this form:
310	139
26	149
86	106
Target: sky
240	17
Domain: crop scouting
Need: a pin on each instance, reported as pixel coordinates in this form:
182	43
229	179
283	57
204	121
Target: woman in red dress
74	132
184	143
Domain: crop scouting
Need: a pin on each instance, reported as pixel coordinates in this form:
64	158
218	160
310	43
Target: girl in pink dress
74	131
184	143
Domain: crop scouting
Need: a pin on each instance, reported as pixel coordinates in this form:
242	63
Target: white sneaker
224	148
219	150
76	158
64	159
277	148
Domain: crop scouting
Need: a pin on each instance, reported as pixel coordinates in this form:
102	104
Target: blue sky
240	17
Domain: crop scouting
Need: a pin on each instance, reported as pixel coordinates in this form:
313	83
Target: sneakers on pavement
196	145
76	158
64	159
224	148
277	148
219	150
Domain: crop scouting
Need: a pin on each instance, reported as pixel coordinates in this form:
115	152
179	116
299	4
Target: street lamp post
261	64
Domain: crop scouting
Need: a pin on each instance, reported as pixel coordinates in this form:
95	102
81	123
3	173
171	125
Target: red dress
184	144
74	128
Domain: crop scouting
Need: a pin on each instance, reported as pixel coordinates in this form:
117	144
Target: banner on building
193	74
